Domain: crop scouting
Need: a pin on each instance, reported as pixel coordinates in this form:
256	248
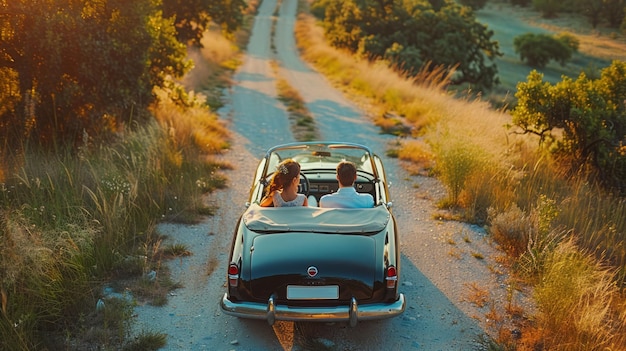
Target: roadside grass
582	318
70	222
302	122
507	182
73	220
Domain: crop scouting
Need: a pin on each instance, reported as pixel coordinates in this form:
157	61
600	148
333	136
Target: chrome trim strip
353	312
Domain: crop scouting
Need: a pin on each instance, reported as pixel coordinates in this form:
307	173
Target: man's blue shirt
347	198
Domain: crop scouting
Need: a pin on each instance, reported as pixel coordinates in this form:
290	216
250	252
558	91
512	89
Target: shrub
537	50
456	161
511	229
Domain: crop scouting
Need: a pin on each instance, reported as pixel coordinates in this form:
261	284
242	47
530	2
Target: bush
456	161
537	50
581	121
511	229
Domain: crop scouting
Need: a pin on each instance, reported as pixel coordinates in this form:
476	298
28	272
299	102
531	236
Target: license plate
326	292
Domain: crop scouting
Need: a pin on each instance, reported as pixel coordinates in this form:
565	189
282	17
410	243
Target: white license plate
326	292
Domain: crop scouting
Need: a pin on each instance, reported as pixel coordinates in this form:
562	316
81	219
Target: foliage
192	17
539	49
609	12
589	116
592	9
87	67
72	68
614	12
598	12
456	162
415	35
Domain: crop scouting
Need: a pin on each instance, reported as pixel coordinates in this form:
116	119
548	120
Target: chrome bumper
351	313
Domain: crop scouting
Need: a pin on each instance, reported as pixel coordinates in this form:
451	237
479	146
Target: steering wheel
304	187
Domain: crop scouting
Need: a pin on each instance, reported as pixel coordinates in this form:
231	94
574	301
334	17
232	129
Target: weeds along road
438	314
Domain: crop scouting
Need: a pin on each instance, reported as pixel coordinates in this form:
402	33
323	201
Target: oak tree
582	120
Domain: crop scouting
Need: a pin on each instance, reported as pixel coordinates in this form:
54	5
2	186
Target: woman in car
282	191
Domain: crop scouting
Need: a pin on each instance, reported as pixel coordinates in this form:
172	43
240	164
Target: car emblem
312	271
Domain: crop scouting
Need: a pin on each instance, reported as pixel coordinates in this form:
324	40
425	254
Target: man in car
346	196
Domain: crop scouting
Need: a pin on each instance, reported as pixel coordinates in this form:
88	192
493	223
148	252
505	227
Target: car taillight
233	275
392	277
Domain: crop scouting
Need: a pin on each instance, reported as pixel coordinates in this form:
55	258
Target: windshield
322	156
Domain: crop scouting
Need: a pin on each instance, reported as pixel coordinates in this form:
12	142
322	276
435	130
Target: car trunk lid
314	266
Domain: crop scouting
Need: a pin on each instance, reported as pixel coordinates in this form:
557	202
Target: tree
590	116
452	37
410	33
342	25
537	50
614	12
192	17
592	9
85	66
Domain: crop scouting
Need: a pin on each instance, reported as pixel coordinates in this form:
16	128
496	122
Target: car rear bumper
351	313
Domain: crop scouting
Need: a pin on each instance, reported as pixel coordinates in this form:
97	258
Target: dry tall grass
576	301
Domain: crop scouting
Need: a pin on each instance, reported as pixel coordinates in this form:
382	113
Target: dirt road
440	273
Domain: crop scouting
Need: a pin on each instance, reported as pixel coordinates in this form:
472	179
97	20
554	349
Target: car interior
322	183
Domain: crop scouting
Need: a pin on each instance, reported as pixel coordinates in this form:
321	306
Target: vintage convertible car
316	264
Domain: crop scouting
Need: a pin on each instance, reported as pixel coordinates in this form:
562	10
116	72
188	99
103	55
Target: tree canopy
75	66
589	115
192	17
537	50
413	35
